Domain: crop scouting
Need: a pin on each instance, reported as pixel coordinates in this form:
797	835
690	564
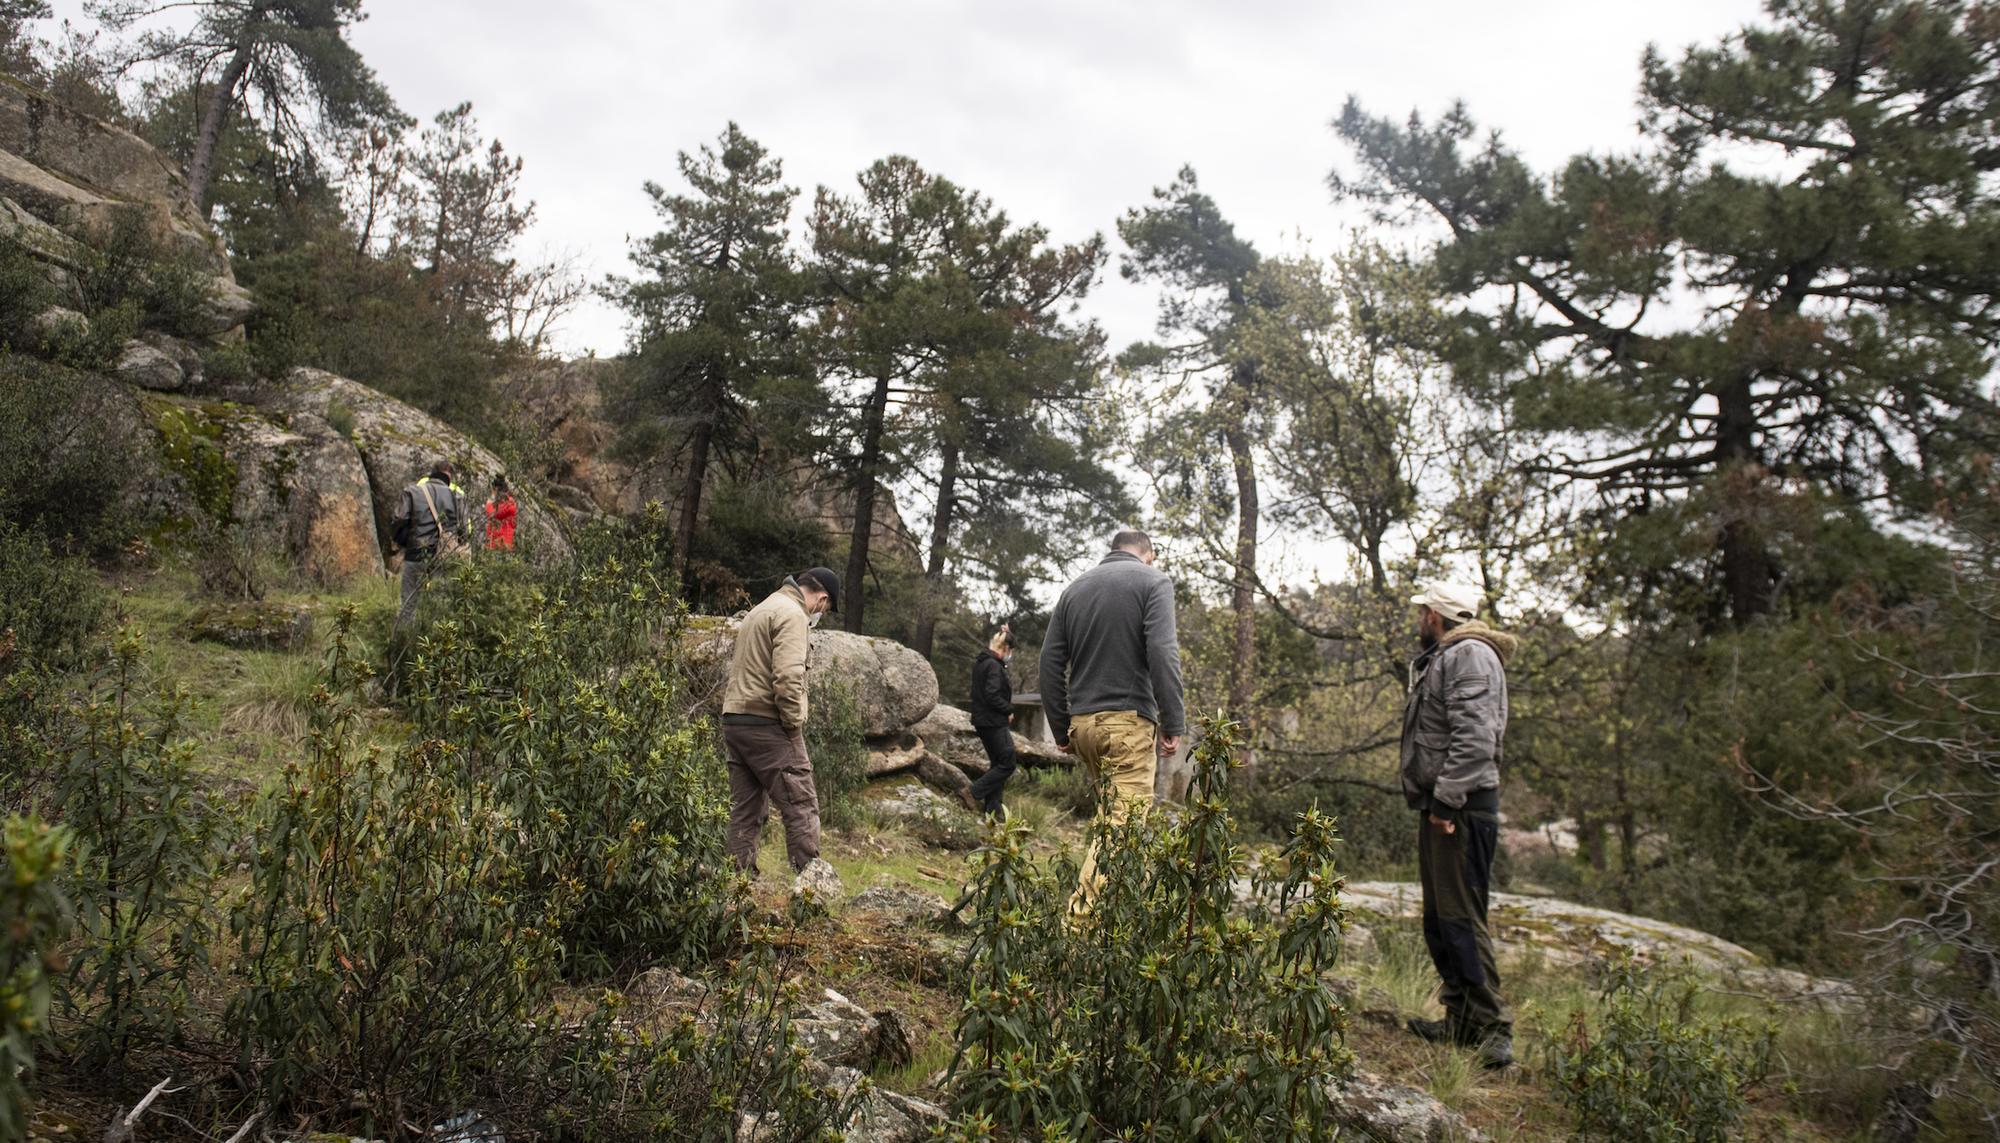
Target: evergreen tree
1184	243
288	61
955	330
1782	308
714	309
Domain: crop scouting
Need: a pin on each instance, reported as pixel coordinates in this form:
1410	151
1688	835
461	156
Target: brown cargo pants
767	764
1123	748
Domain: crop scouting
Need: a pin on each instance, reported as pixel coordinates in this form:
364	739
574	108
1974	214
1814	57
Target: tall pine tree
714	308
1781	309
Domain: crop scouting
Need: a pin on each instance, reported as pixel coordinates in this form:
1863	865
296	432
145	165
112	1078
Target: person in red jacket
500	512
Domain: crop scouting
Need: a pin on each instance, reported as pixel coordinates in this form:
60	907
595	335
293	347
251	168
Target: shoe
1431	1031
1496	1052
971	803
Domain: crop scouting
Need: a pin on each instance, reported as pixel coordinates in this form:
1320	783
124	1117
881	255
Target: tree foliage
1786	288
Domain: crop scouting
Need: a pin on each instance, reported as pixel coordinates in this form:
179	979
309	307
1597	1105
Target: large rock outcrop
893	686
68	180
1566	933
948	732
284	481
397	444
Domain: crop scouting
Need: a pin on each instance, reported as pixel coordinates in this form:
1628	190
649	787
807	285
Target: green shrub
49	605
34	917
558	690
839	756
1651	1068
115	765
1168	1011
65	464
413	916
24	294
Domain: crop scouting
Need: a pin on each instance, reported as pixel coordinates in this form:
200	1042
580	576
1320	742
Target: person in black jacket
992	704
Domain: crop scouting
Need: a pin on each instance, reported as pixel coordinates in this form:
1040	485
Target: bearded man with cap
1454	723
764	721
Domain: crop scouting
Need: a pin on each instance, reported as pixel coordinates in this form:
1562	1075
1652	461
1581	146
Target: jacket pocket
1431	749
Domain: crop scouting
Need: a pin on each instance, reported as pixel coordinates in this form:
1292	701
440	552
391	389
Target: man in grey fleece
1454	723
1111	681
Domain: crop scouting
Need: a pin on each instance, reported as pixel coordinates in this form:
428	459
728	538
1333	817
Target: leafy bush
35	918
557	691
24	294
1652	1069
839	757
409	924
1162	1012
114	764
49	605
65	465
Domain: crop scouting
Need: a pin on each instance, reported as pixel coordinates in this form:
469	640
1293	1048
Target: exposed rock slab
252	626
398	444
948	731
1397	1113
288	481
1564	930
890	756
902	905
75	171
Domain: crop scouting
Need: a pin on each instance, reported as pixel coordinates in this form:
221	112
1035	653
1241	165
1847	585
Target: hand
1450	827
1170	745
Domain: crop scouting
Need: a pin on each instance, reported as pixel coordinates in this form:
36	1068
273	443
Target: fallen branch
120	1130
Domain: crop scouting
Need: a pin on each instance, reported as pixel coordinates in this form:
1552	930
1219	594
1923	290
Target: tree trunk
201	165
697	476
854	593
1243	668
1747	569
947	503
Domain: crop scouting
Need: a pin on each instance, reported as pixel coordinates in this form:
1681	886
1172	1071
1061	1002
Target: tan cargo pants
1120	748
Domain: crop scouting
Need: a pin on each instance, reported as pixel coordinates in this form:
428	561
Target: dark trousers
999	743
767	764
1457	873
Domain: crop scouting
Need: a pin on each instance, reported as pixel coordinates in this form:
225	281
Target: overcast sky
1065	113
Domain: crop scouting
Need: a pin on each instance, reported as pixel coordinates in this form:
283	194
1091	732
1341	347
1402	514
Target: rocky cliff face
68	180
310	464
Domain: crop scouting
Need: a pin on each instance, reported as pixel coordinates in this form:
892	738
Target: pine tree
1184	243
714	308
1782	307
956	330
289	60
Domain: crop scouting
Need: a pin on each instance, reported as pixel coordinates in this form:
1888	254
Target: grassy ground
250	714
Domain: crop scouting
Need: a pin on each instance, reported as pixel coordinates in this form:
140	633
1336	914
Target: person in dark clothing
430	520
992	708
1454	724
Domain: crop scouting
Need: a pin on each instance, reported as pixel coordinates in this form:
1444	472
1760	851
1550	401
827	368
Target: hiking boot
1496	1051
1432	1031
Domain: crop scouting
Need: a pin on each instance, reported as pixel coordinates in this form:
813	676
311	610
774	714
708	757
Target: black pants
1457	873
999	743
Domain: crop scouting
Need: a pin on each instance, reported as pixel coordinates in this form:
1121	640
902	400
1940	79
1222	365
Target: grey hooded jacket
1455	719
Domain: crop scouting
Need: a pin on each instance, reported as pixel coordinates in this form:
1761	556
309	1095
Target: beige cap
1455	601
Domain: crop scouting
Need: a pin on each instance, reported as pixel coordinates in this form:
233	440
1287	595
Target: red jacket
500	515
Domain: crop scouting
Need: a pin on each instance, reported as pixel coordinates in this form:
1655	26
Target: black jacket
992	691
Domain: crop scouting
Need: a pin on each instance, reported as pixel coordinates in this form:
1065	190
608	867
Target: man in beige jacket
764	720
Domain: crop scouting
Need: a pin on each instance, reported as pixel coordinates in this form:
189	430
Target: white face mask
813	619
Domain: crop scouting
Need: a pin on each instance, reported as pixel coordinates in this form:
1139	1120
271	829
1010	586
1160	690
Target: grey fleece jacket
1455	718
1111	646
